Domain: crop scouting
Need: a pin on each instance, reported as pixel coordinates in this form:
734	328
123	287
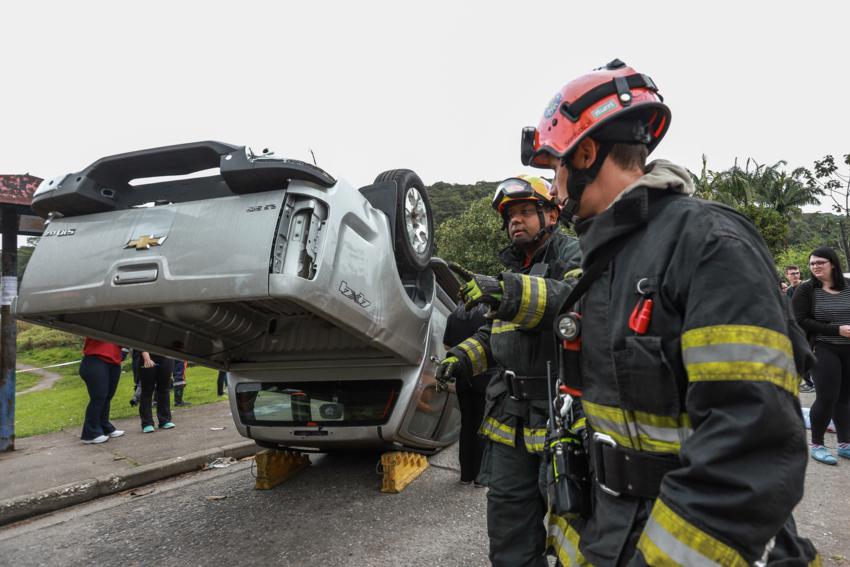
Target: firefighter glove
450	369
482	289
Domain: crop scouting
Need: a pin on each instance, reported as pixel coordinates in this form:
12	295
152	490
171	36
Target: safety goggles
514	188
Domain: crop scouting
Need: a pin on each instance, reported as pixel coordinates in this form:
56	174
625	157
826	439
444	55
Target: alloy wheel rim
416	221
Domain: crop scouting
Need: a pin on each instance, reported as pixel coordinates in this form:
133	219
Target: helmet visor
530	151
528	146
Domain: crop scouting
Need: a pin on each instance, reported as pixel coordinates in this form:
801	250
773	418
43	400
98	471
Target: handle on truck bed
180	159
103	186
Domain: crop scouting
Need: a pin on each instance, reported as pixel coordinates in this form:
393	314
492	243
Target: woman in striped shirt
822	307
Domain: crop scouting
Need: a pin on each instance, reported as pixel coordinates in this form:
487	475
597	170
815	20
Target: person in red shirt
100	370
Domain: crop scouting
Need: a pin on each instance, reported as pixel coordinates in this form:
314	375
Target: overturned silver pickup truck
322	300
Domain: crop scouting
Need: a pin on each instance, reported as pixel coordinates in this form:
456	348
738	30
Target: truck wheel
414	230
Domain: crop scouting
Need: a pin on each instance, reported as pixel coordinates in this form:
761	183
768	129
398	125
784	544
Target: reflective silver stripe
469	348
532	309
564	544
672	547
532	303
475	352
739	352
669	539
666	434
534	439
498	432
639	430
622	433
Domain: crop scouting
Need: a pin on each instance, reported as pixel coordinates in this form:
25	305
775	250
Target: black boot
178	398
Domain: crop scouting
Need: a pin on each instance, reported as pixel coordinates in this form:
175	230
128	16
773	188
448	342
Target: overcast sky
439	87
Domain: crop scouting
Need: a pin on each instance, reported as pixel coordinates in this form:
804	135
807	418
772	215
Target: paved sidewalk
49	472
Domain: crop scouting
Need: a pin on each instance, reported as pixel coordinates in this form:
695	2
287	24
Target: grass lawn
63	406
24	380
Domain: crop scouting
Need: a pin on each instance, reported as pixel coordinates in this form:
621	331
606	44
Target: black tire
414	224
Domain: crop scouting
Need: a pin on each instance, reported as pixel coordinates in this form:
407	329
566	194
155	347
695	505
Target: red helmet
596	105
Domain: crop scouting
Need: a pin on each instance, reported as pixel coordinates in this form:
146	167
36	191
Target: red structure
16	217
18	189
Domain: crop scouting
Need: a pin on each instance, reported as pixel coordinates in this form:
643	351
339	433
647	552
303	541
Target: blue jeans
101	380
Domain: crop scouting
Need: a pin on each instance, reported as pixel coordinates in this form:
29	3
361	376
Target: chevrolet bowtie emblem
146	241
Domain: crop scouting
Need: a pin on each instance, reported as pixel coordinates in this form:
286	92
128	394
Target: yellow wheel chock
400	469
275	466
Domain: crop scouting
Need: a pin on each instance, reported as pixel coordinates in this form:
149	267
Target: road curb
27	506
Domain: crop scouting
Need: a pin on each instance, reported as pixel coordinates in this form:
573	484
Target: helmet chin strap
543	232
578	181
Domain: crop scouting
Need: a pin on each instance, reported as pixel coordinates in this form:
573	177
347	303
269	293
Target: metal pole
9	262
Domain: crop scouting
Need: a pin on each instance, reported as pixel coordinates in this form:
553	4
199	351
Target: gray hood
662	174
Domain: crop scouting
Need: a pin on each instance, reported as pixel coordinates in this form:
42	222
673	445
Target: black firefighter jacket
713	381
520	342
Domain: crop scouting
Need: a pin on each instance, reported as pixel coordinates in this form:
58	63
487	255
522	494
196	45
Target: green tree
772	226
815	228
704	189
758	190
473	238
736	186
795	256
786	193
450	200
24	255
834	182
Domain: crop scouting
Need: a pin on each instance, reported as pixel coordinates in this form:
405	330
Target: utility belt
526	388
624	472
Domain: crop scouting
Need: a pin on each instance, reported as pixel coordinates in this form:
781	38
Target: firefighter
689	358
514	426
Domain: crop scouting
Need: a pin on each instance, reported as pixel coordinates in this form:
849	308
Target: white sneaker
116	433
98	439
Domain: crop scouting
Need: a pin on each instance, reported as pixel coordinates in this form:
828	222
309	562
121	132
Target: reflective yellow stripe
752	371
498	432
668	539
575	273
534	439
502	327
816	562
563	539
578	424
639	430
476	355
737	334
739	352
533	302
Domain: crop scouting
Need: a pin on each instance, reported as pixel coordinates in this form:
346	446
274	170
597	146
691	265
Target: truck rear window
336	403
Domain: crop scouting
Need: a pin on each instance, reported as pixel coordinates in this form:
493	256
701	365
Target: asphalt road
329	514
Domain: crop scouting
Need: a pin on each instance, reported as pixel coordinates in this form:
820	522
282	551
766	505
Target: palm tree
786	193
769	186
737	186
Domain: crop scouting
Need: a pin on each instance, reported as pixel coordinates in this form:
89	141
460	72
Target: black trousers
221	383
101	380
516	508
159	378
471	398
831	374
